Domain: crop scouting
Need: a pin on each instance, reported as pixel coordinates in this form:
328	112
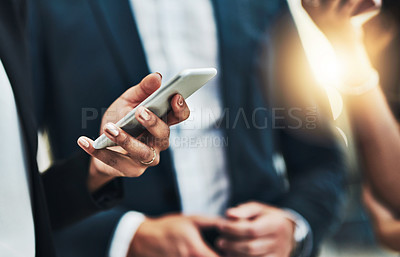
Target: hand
334	19
386	226
172	235
380	213
256	229
128	158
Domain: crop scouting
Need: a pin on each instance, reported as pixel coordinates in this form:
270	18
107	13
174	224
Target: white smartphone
185	83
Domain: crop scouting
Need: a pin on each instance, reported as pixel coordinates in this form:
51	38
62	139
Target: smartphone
185	83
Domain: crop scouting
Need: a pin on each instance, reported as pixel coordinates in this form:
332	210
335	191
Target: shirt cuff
124	233
302	234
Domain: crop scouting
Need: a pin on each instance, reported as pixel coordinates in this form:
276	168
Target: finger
198	247
326	4
180	110
144	89
254	247
375	207
350	7
367	195
369	200
136	149
204	250
121	164
205	222
333	4
365	5
259	227
246	210
311	3
155	126
238	228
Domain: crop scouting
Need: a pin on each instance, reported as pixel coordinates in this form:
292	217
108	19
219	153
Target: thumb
247	210
144	89
205	222
205	251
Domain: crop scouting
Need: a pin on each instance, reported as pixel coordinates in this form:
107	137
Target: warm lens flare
321	56
318	50
322	59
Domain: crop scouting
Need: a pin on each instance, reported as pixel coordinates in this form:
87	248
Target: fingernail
112	129
159	74
180	101
145	114
83	142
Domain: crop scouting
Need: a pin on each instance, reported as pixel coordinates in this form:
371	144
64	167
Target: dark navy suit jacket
66	179
87	52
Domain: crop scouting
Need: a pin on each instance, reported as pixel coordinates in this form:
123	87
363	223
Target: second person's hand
256	229
173	235
334	19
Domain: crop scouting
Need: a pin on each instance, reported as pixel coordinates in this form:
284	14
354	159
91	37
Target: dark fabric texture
88	52
312	157
72	193
65	185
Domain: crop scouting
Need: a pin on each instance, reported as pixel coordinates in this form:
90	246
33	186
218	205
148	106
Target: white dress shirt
176	35
17	236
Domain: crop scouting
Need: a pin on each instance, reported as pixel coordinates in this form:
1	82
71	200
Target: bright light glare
320	54
319	51
335	100
359	20
341	133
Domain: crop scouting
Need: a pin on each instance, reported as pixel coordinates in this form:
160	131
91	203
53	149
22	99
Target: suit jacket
87	52
66	179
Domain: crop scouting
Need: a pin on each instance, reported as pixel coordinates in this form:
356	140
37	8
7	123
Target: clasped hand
251	229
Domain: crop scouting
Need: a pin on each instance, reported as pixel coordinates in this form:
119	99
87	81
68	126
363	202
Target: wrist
124	234
97	178
302	235
355	66
360	87
143	234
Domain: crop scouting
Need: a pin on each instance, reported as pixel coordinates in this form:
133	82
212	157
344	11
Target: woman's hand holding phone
132	156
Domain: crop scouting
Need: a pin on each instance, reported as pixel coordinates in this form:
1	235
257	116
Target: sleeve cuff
302	234
124	233
109	195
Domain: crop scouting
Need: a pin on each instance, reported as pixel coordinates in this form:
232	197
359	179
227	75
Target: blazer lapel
242	26
117	24
221	15
233	51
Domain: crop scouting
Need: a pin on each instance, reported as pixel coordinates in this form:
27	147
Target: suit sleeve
67	194
315	162
91	237
316	178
